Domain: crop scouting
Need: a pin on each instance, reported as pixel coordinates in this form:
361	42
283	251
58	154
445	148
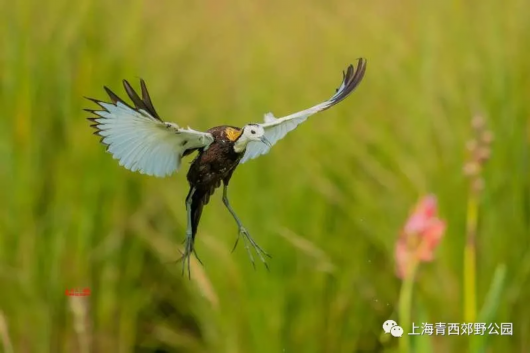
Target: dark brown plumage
209	169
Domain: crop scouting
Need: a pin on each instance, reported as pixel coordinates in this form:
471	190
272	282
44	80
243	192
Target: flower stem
405	304
470	295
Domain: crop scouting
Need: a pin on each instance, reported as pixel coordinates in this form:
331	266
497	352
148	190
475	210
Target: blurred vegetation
328	202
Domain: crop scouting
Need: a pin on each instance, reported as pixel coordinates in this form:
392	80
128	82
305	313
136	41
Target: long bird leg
189	241
243	231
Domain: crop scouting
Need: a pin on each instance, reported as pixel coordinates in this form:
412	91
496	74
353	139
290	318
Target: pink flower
420	236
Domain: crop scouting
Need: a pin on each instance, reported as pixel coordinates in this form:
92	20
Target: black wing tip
96	101
94	111
144	103
351	79
141	103
115	98
146	98
127	85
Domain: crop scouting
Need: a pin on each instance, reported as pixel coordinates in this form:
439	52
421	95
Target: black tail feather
195	201
196	211
198	200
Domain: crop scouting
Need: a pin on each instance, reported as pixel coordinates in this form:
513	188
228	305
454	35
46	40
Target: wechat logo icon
390	326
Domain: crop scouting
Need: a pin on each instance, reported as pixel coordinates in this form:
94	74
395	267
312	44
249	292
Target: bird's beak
265	141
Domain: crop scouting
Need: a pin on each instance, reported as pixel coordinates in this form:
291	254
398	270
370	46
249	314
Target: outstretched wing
138	138
276	129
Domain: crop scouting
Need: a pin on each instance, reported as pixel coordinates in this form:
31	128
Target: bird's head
251	132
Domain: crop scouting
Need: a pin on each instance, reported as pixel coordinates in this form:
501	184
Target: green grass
327	202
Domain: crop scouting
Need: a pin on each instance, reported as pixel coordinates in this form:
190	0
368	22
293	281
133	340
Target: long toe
245	240
188	250
254	244
235	244
197	257
257	248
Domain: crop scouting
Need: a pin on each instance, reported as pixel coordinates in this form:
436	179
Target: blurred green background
327	203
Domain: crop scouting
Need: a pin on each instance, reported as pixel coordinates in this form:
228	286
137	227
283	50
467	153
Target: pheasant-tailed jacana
143	142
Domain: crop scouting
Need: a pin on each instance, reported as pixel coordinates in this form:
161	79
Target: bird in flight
144	143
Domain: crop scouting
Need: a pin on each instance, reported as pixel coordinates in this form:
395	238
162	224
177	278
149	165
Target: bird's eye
252	132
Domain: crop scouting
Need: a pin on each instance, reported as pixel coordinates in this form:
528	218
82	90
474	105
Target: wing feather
147	100
276	129
138	137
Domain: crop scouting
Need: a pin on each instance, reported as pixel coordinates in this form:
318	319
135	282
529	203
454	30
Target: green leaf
422	343
490	307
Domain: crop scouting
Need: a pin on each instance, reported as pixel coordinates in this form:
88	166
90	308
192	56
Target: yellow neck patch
233	134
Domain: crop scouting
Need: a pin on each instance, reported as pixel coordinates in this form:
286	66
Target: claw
259	251
235	245
186	256
197	257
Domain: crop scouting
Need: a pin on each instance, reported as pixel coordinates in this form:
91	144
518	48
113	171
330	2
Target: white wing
139	139
276	129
